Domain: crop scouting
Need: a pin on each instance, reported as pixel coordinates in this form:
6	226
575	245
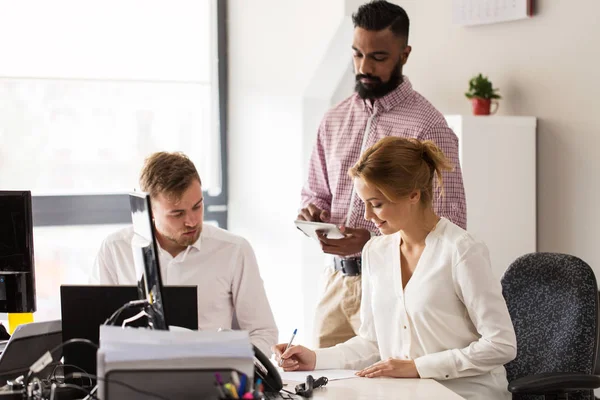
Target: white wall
274	50
545	67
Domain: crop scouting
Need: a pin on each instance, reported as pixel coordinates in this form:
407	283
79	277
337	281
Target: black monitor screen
145	256
17	272
85	308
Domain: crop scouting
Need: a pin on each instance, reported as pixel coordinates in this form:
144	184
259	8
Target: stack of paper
148	355
128	344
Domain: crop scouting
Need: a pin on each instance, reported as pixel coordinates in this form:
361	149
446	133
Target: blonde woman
431	307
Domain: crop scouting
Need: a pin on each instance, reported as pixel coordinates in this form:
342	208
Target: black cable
50	355
273	390
306	389
128	386
70	341
80	388
134	303
49	378
287	391
53	373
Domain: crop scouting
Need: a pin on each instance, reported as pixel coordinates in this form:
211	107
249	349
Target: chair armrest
554	382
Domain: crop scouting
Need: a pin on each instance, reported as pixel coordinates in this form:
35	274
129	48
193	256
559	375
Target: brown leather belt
348	266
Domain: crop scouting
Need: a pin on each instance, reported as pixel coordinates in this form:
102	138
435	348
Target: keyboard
281	395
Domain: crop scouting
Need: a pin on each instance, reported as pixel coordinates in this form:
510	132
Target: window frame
101	209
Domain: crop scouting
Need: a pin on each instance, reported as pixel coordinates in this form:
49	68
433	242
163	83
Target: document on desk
331	374
144	344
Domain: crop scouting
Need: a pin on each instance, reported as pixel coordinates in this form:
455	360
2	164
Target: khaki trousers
337	316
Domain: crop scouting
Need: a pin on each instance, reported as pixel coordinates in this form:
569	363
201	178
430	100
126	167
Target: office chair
553	303
597	366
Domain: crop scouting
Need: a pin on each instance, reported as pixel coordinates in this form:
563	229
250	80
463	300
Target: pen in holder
237	388
225	394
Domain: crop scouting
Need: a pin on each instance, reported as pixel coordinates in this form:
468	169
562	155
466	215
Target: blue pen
288	346
242	388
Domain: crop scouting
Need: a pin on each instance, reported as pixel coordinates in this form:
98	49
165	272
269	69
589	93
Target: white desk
381	388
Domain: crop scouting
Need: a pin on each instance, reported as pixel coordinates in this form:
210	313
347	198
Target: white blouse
451	317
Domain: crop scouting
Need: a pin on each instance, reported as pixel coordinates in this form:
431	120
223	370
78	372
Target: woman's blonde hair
168	173
398	166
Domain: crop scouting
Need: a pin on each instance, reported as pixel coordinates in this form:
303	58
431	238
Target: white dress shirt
451	317
222	266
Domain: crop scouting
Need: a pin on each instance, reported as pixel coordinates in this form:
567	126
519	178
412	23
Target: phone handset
266	371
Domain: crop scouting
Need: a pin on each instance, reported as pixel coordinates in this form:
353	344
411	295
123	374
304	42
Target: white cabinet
498	161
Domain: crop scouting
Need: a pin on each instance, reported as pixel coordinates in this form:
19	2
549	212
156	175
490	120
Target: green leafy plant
481	87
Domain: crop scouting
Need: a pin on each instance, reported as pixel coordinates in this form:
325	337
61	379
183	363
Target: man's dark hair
380	14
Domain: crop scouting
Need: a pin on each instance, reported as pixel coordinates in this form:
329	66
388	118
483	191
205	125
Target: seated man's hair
168	173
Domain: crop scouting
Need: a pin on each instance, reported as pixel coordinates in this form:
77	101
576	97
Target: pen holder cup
228	385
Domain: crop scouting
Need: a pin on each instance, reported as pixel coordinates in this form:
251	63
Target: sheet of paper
331	374
145	344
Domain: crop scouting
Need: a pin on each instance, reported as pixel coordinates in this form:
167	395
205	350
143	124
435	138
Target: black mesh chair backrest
553	301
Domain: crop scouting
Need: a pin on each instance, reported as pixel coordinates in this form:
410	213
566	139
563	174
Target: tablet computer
310	229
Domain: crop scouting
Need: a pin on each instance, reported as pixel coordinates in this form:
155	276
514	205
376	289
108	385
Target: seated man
221	264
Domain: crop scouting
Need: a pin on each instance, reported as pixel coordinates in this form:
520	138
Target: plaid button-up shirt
402	112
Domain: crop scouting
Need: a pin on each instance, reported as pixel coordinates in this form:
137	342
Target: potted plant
481	93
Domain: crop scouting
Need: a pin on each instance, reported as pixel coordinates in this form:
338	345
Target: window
64	255
87	91
91	137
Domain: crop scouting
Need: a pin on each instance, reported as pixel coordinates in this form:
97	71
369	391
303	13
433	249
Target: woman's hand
392	367
296	358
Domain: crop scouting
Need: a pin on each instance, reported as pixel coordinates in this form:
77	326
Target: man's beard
184	240
378	89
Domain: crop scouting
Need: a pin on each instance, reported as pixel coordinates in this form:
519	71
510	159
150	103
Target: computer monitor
145	257
17	271
85	307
